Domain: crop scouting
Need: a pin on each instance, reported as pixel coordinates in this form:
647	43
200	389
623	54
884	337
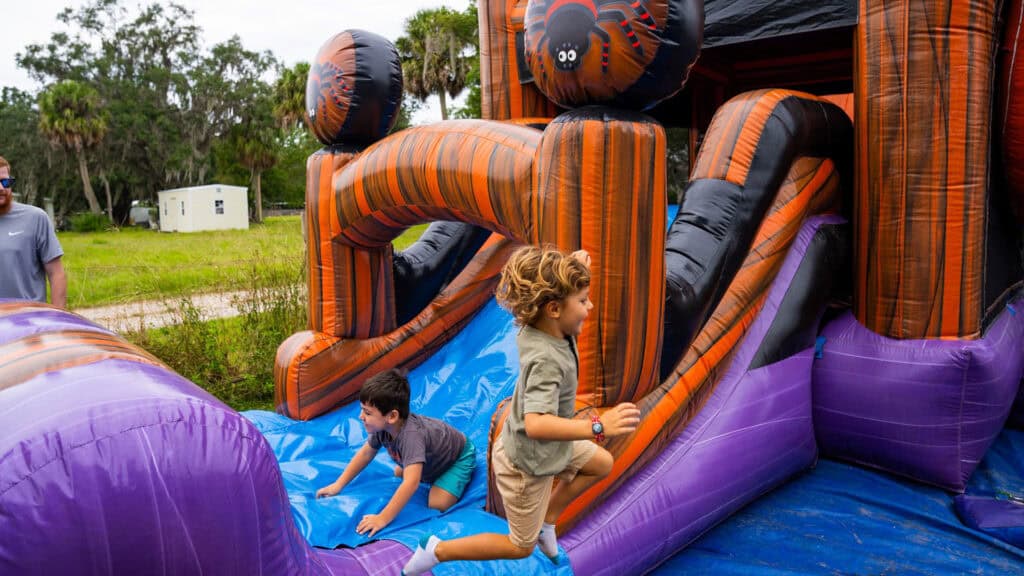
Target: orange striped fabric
468	170
844	101
23	306
923	106
734	134
614	209
28	357
502	94
320	168
474	171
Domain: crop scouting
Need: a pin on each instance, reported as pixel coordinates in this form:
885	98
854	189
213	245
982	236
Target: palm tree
255	143
71	116
290	96
434	52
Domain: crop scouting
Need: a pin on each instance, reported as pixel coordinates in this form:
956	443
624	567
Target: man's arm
58	282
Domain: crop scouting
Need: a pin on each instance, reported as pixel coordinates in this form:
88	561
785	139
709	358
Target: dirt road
121	318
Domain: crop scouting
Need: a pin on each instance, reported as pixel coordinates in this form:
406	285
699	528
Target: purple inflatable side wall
754	432
925	409
122	467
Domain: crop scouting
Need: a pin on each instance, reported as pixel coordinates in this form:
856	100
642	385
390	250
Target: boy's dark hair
387	391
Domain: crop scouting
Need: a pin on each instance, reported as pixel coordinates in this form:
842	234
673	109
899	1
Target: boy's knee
440	506
602	462
519	553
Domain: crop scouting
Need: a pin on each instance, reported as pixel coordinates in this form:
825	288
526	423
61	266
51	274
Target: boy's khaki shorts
525	496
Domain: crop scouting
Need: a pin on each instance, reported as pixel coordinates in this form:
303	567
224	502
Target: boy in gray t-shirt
425	449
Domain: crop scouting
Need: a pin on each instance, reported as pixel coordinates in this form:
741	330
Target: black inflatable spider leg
605	43
645	16
619	18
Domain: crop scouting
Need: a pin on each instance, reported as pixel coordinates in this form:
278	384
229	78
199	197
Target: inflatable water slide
839	277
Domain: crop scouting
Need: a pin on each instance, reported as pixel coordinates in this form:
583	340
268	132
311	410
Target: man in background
29	251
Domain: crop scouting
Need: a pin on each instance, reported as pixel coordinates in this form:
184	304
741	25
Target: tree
32	159
255	140
473	107
224	87
72	117
290	96
169	102
434	52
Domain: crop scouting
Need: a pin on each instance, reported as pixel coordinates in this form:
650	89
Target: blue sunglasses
7	182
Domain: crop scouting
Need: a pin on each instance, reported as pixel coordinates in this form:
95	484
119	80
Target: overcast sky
292	29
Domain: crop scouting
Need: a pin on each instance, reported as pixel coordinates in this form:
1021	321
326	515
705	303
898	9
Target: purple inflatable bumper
925	409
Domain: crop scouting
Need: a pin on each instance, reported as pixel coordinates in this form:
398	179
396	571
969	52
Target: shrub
88	222
233	358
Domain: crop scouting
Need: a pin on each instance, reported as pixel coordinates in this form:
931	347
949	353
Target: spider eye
571	55
562	55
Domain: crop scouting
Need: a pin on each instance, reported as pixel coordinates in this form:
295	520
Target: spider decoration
568	25
331	86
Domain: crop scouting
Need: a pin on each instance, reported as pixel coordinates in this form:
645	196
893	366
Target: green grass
232	358
133	264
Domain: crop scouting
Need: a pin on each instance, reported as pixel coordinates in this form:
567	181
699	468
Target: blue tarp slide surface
462	384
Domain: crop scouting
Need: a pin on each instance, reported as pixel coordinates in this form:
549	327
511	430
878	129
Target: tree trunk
257	176
90	196
444	107
110	203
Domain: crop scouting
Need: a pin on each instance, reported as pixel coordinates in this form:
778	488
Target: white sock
547	541
423	559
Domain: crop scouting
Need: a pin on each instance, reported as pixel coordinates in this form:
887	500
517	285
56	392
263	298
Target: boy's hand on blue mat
329	490
398	471
371	524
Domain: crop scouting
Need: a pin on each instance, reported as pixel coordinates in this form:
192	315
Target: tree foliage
71	116
36	165
168	103
130	102
290	96
437	53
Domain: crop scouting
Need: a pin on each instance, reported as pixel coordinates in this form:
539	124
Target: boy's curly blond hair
534	276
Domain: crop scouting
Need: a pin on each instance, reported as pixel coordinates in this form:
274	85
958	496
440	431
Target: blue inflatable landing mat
842	519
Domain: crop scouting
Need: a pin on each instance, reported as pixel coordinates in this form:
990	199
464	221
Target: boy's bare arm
360	461
619	420
373	523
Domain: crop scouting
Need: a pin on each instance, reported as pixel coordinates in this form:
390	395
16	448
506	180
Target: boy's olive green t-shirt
548	368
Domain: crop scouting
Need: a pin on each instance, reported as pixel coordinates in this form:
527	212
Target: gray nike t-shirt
27	243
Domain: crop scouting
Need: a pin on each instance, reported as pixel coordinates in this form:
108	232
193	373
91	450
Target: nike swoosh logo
15	233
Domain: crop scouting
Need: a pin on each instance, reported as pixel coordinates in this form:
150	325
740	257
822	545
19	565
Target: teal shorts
456	477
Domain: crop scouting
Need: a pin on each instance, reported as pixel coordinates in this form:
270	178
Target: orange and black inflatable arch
527	186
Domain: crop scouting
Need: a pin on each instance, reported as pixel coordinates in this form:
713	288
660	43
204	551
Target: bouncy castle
842	277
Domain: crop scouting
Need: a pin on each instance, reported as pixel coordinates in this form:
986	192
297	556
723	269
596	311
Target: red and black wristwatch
597	428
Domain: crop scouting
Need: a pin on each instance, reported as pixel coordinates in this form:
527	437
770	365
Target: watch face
597	428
